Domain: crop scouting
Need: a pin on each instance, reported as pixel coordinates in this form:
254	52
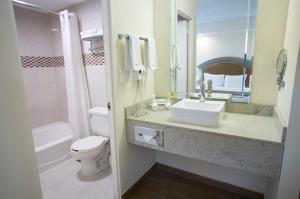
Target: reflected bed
231	70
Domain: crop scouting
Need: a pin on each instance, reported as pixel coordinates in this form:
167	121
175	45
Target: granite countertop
252	127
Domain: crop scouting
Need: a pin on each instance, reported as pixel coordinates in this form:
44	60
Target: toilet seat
88	143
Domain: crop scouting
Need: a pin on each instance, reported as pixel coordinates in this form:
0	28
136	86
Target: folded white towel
133	60
150	55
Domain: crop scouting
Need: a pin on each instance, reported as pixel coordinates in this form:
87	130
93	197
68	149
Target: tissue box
148	136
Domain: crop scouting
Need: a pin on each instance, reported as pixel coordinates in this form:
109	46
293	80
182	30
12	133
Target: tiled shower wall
43	68
40	49
89	16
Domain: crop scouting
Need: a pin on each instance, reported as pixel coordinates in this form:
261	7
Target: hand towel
133	60
150	55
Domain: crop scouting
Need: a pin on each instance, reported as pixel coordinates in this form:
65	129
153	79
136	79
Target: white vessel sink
208	113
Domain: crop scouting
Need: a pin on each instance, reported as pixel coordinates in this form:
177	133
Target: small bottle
168	103
154	105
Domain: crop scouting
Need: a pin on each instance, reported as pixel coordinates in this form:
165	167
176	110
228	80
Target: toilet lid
88	143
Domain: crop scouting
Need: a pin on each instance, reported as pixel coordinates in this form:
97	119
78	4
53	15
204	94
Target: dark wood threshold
245	193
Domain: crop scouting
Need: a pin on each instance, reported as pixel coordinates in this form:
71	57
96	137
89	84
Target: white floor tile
64	182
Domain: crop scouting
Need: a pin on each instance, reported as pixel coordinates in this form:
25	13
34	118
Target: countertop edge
131	118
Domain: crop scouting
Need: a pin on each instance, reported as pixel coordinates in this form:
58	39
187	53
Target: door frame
189	44
106	16
186	64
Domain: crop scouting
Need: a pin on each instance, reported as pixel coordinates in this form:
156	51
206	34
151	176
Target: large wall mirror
214	40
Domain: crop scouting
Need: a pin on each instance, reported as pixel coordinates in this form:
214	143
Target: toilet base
89	168
93	161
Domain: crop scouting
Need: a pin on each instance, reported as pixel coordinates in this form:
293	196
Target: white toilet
94	151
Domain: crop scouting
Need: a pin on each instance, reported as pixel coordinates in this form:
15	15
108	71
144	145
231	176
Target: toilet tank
98	117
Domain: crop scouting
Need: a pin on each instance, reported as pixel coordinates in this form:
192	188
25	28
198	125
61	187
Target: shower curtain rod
17	2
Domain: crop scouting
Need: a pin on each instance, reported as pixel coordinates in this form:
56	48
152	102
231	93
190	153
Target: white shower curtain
75	76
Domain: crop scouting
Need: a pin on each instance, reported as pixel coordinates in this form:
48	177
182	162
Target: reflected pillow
218	80
233	81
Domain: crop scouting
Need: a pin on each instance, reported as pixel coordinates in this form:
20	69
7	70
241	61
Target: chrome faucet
202	88
202	91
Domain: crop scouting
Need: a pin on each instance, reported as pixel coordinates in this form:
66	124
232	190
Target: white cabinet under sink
208	113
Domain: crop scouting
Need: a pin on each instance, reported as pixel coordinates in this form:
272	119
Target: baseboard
214	183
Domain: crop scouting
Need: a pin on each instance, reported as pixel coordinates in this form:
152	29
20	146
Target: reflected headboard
227	66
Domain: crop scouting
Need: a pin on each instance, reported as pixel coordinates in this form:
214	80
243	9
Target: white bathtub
52	144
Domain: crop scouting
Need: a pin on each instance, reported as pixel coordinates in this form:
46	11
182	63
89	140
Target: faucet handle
209	87
209	84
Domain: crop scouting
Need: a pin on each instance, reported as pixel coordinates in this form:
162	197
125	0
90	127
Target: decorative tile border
93	59
32	62
35	62
58	61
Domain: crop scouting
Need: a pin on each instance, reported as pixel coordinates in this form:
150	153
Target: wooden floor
163	185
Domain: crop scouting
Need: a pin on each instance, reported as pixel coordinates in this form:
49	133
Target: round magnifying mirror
281	62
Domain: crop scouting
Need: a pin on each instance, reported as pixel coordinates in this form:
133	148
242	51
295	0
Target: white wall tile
33	31
45	87
42	96
96	77
90	17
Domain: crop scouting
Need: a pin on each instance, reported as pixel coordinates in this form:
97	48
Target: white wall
288	101
132	17
231	44
289	185
220	173
224	38
18	173
227	25
291	43
269	37
90	17
162	32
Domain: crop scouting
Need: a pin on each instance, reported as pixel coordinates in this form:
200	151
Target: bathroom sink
208	113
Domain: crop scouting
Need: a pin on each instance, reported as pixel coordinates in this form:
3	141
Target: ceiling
53	4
